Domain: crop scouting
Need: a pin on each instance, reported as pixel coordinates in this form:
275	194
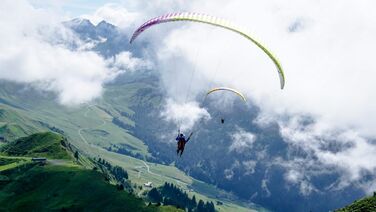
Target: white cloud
322	71
125	61
242	141
342	151
33	50
249	166
326	50
327	62
28	54
184	115
229	173
114	14
264	186
299	172
326	57
293	176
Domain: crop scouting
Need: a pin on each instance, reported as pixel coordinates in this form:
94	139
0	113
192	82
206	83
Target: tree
166	201
120	187
194	202
154	195
209	206
76	155
119	173
201	206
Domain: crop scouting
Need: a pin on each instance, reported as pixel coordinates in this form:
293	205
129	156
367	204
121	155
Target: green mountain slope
365	204
13	125
38	145
60	184
59	187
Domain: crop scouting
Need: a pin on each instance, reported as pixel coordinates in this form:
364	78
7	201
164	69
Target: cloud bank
242	141
34	48
114	14
184	115
326	50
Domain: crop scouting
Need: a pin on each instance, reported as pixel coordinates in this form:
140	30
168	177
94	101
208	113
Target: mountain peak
104	23
79	22
105	29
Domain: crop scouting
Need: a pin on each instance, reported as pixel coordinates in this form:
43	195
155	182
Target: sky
73	8
325	48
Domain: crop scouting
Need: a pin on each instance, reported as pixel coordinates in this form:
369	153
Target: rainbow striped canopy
207	19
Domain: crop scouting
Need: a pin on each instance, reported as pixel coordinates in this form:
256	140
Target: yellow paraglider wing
207	19
227	89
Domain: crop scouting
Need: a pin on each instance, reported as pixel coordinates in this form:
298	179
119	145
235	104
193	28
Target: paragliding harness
181	142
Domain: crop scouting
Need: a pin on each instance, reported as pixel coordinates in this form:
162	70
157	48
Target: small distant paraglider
228	90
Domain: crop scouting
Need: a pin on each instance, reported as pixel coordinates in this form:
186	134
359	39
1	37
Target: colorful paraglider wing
207	19
227	89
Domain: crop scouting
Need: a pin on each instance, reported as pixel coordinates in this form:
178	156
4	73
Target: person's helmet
181	134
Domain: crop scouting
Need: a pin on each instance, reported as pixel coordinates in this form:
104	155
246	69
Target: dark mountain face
108	39
239	156
84	28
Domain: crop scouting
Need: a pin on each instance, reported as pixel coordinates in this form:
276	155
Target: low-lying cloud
35	48
184	115
242	141
114	14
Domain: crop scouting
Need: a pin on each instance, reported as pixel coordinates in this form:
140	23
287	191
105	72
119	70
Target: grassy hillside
366	204
38	145
13	125
59	185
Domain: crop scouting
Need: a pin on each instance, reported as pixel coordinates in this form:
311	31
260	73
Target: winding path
148	169
79	131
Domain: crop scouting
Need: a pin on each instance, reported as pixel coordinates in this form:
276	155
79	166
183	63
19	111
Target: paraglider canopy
227	89
207	19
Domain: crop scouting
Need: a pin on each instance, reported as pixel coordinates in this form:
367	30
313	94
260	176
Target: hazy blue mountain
108	39
83	27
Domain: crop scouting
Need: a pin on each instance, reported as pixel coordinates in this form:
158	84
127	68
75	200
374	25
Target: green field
41	188
38	145
10	163
61	184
